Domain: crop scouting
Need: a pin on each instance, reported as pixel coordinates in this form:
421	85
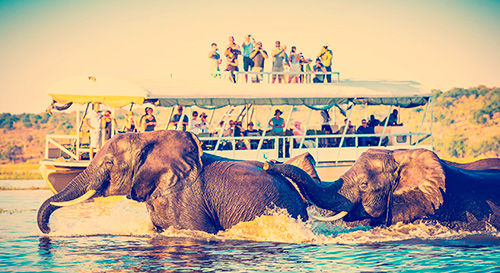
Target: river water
115	235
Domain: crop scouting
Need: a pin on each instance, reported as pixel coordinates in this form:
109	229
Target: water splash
111	215
120	216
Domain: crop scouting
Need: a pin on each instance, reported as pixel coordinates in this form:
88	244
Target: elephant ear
306	162
169	161
419	191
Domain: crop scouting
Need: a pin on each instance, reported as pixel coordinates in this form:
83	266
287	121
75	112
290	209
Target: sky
440	44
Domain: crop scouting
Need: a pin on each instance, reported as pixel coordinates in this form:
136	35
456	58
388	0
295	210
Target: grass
20	171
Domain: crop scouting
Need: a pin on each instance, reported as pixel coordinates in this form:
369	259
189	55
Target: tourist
364	129
321	70
278	54
94	122
277	122
148	121
258	56
107	121
195	123
294	60
215	59
248	47
130	123
393	119
326	55
177	117
373	121
325	121
204	123
231	53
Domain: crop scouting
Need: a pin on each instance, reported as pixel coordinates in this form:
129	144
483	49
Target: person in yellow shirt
326	56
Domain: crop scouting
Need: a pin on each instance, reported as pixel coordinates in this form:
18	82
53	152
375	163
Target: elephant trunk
75	189
325	195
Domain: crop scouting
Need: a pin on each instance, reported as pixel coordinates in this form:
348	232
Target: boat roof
219	93
214	93
107	90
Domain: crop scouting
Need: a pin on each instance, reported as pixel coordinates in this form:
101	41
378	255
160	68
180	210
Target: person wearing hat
177	117
148	121
277	122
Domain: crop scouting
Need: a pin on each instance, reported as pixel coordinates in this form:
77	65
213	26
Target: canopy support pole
385	126
422	125
305	129
346	127
265	130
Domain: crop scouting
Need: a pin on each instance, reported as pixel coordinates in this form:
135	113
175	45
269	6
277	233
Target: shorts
247	63
232	68
277	69
257	77
295	67
95	138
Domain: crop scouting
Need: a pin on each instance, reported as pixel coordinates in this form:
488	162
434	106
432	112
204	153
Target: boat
334	151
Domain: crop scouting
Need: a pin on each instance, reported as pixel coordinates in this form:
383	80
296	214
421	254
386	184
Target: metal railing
267	77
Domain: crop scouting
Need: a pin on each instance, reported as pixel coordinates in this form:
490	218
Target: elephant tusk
80	199
336	217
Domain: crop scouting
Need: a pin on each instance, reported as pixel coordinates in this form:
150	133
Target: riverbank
20	171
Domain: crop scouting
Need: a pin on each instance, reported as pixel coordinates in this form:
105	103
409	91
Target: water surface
115	235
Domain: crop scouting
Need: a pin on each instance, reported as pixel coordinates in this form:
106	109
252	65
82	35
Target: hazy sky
441	44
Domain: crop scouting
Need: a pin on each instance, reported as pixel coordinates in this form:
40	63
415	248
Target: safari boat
223	102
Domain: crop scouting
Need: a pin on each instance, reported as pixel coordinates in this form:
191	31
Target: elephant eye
363	185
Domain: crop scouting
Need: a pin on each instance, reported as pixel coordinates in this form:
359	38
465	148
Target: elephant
182	187
390	186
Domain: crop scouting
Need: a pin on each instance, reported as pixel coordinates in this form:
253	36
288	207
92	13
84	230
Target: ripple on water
115	234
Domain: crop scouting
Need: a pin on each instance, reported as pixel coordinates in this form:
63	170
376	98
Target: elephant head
382	186
135	165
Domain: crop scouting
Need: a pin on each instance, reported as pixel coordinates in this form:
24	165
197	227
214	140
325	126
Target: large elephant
404	185
182	187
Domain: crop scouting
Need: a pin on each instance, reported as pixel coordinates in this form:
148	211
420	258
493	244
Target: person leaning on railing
251	132
319	68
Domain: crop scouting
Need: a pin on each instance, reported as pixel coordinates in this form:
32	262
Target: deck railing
267	77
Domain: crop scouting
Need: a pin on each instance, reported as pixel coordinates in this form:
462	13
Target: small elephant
387	186
182	187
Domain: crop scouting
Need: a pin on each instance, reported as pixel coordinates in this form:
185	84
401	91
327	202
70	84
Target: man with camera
258	57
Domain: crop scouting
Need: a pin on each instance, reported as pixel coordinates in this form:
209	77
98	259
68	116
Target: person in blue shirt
247	49
277	122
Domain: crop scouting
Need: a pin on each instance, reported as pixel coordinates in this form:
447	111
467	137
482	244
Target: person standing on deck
215	59
247	49
258	56
278	54
148	121
195	123
277	122
107	121
325	121
294	61
231	53
94	122
326	55
130	123
177	117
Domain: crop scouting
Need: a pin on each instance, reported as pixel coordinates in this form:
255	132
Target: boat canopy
84	89
216	94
